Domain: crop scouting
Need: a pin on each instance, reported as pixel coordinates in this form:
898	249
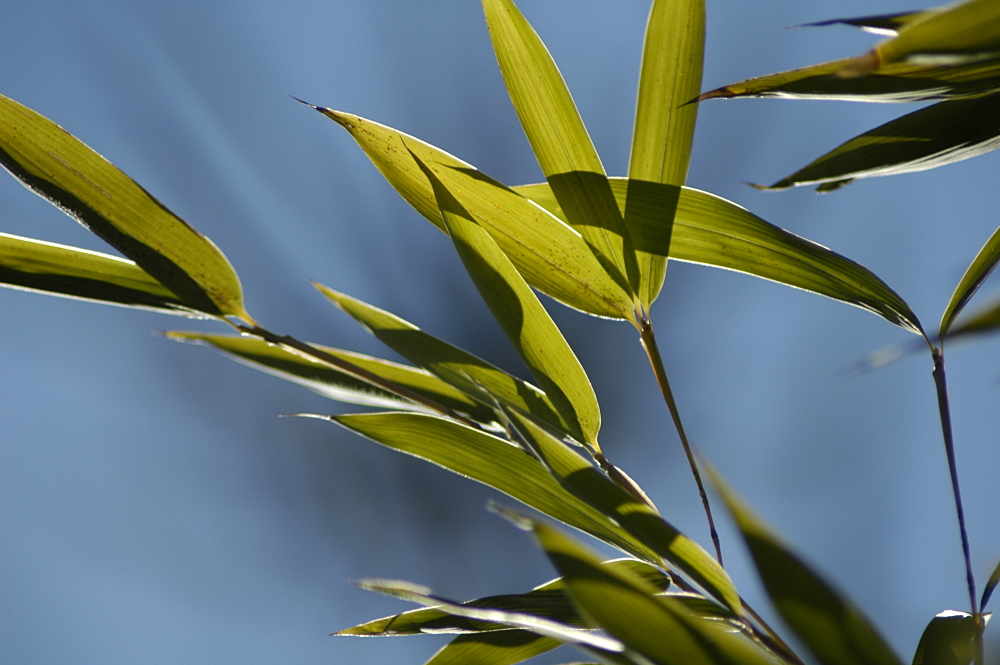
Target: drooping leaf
559	139
494	462
337	385
60	168
548	253
945	133
658	627
883	24
464	371
670	76
900	82
35	265
523	318
978	271
579	477
505	647
832	627
949	639
710	230
990	586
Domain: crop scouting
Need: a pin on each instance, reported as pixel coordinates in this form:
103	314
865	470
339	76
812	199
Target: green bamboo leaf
832	627
550	255
710	230
659	628
337	385
58	167
494	462
990	586
949	639
984	320
670	76
899	82
469	374
559	139
941	134
548	600
638	518
505	647
981	267
523	318
883	24
35	265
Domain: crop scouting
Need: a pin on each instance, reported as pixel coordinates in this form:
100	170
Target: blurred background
155	509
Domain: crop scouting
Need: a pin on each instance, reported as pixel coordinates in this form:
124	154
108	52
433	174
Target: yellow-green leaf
504	647
990	586
34	265
949	639
523	318
986	319
832	627
549	254
334	384
978	271
60	168
559	139
710	230
670	77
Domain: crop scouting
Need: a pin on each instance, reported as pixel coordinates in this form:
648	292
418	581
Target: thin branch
656	362
770	637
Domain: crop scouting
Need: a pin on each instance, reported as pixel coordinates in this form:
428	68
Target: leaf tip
520	520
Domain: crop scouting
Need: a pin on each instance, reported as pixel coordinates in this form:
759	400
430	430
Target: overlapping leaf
337	385
559	139
526	323
941	134
505	647
469	374
549	254
949	639
35	265
978	271
494	462
710	230
579	477
832	627
60	168
672	57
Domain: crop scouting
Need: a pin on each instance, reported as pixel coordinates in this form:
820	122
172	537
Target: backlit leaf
832	627
990	586
984	320
981	267
505	647
559	139
34	265
672	59
941	134
710	230
949	639
58	167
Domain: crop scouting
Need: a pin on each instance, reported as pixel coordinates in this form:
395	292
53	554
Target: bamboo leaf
832	627
35	265
941	134
559	139
710	230
990	586
528	326
58	167
505	647
659	628
984	320
551	256
337	385
949	639
578	476
883	24
494	462
670	76
978	271
469	374
899	82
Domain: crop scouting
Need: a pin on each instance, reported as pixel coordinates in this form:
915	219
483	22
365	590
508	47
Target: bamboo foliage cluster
600	245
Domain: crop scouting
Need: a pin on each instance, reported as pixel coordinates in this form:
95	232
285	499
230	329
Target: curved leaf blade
832	627
559	139
883	24
670	76
505	647
337	385
938	135
551	256
60	168
45	267
949	639
523	318
710	230
990	586
491	461
974	276
984	320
